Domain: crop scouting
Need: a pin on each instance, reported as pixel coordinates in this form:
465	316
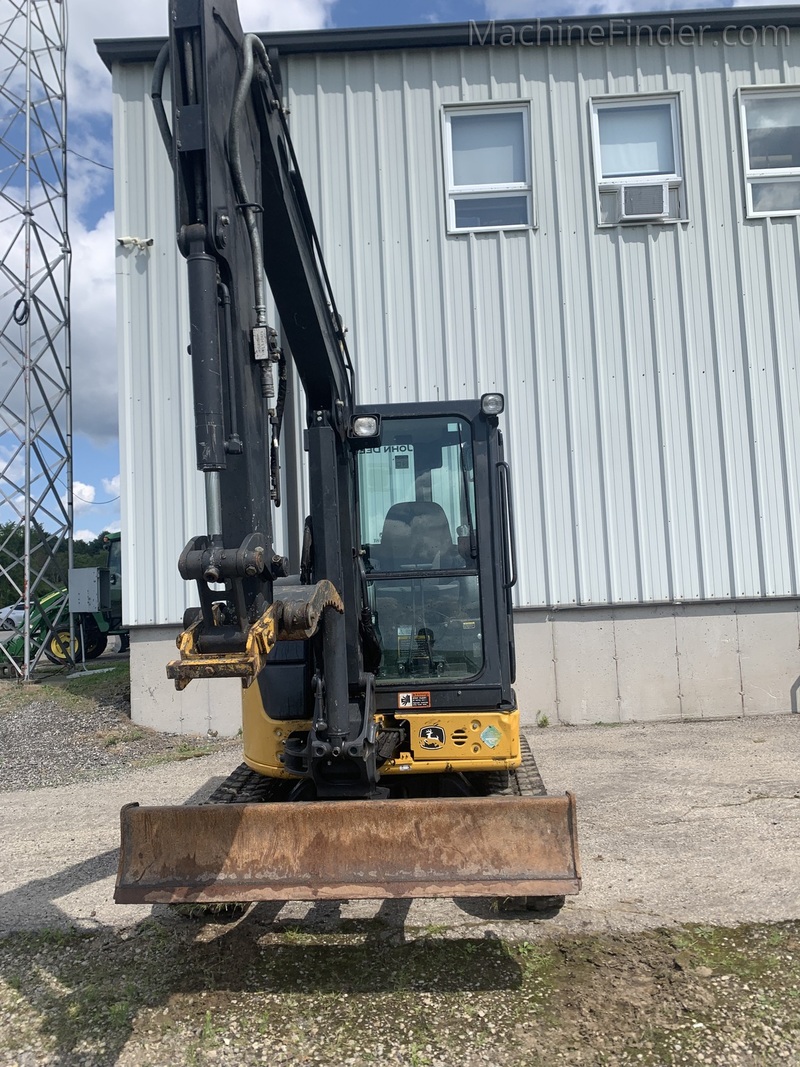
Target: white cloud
90	20
92	535
111	486
82	496
94	359
532	9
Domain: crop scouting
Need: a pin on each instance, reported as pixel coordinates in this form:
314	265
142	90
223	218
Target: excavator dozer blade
347	850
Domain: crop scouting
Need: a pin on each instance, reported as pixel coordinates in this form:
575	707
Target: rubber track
244	786
528	781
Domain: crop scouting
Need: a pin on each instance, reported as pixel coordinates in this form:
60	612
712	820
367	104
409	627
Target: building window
637	151
487	165
771	140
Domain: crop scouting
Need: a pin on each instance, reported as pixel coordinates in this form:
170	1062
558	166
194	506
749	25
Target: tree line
12	546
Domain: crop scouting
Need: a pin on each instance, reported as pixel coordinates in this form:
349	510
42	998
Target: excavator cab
417	512
436	541
436	565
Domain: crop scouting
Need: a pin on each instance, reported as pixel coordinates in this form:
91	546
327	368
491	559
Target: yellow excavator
382	746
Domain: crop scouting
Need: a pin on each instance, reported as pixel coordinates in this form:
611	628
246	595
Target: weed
533	955
293	935
542	720
435	929
729	951
119	1014
106	685
196	910
157	930
419	1057
185	750
775	937
188	750
209	1031
57	937
116	737
529	950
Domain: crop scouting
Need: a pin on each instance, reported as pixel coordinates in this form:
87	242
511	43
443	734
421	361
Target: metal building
598	218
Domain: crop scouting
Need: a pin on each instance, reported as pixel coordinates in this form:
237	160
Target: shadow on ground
99	990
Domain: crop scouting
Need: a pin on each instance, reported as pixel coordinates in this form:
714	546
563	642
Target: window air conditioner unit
644	201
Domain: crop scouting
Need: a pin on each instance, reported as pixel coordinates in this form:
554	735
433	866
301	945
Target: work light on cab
365	426
493	403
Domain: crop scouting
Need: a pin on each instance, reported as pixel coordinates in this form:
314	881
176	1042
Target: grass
209	1031
184	750
295	935
110	738
99	684
435	929
85	690
726	951
220	912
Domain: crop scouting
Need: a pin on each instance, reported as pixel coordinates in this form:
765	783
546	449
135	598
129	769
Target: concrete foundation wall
636	664
709	661
155	702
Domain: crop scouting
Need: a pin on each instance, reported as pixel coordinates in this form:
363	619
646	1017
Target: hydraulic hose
251	42
156	88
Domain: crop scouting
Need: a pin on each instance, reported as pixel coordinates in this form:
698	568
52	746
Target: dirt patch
180	991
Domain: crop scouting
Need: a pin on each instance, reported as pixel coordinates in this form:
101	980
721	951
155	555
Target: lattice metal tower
35	371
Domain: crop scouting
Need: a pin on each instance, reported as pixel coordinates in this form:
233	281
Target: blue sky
96	452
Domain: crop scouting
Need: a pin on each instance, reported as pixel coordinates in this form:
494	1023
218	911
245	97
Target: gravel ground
682	947
58	733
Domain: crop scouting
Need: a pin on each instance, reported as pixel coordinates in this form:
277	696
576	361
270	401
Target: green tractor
95	595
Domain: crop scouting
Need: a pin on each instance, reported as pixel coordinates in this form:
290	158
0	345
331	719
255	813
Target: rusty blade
357	849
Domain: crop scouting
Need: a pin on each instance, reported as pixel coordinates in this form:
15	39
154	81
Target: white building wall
649	371
161	491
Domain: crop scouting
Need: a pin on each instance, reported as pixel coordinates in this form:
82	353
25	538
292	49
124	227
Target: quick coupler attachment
246	664
296	616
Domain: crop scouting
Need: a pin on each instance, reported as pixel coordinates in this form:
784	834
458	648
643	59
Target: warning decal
413	700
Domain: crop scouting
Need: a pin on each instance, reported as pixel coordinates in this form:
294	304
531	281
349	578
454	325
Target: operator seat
416	533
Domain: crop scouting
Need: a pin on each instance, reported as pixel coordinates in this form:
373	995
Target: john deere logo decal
432	737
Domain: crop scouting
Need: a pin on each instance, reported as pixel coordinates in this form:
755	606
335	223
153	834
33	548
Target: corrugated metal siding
650	371
163	500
